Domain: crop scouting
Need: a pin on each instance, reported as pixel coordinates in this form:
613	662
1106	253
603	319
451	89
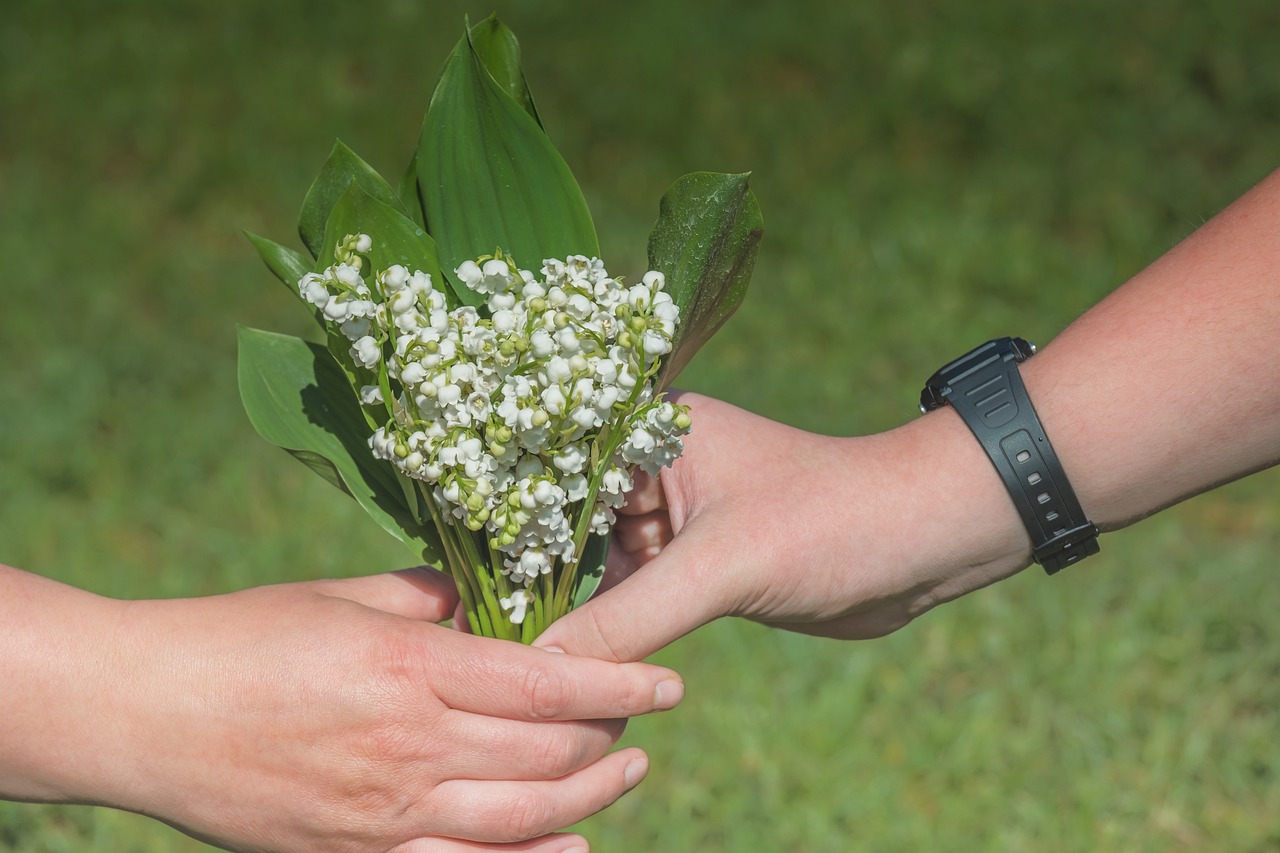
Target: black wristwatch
985	388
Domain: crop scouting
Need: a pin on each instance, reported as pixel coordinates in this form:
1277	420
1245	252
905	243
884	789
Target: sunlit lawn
932	174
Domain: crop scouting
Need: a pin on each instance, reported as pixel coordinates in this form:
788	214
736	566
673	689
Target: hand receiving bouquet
485	387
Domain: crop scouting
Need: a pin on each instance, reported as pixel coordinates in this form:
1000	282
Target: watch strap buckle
1067	547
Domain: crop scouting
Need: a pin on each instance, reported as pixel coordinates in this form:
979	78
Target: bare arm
316	716
1161	391
1168	387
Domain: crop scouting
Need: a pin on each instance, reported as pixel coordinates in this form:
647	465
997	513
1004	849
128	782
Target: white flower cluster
524	414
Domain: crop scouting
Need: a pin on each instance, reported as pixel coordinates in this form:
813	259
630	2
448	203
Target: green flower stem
469	589
501	627
504	590
538	619
568	585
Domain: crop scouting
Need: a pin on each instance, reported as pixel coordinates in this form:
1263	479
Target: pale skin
322	716
334	716
1165	389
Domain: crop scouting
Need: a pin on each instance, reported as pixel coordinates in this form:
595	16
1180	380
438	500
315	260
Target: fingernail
668	694
559	651
577	848
635	771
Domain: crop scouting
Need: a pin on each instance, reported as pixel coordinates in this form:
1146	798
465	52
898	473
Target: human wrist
957	520
59	666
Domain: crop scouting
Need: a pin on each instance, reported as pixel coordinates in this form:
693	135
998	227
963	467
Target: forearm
56	655
1163	390
1168	387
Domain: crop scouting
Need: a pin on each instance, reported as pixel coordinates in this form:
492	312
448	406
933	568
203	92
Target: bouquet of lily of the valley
484	387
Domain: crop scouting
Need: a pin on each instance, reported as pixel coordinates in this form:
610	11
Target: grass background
932	174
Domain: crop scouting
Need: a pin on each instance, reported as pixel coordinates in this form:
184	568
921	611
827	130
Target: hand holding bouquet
487	415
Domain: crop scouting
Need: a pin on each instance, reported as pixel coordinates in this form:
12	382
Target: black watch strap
985	388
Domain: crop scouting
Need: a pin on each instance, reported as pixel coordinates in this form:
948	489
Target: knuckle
560	753
383	745
609	648
549	694
400	663
528	815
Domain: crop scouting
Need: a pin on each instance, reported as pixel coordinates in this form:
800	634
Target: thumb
671	595
423	593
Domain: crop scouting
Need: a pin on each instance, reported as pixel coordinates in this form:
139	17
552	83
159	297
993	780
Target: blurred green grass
931	174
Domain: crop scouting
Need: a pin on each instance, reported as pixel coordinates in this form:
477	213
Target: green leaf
409	197
490	178
591	567
286	264
396	239
498	49
298	399
341	170
705	242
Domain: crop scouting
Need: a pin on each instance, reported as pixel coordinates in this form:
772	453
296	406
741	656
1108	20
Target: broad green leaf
396	239
705	242
409	196
357	376
290	266
498	49
286	264
298	399
490	178
591	567
341	170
